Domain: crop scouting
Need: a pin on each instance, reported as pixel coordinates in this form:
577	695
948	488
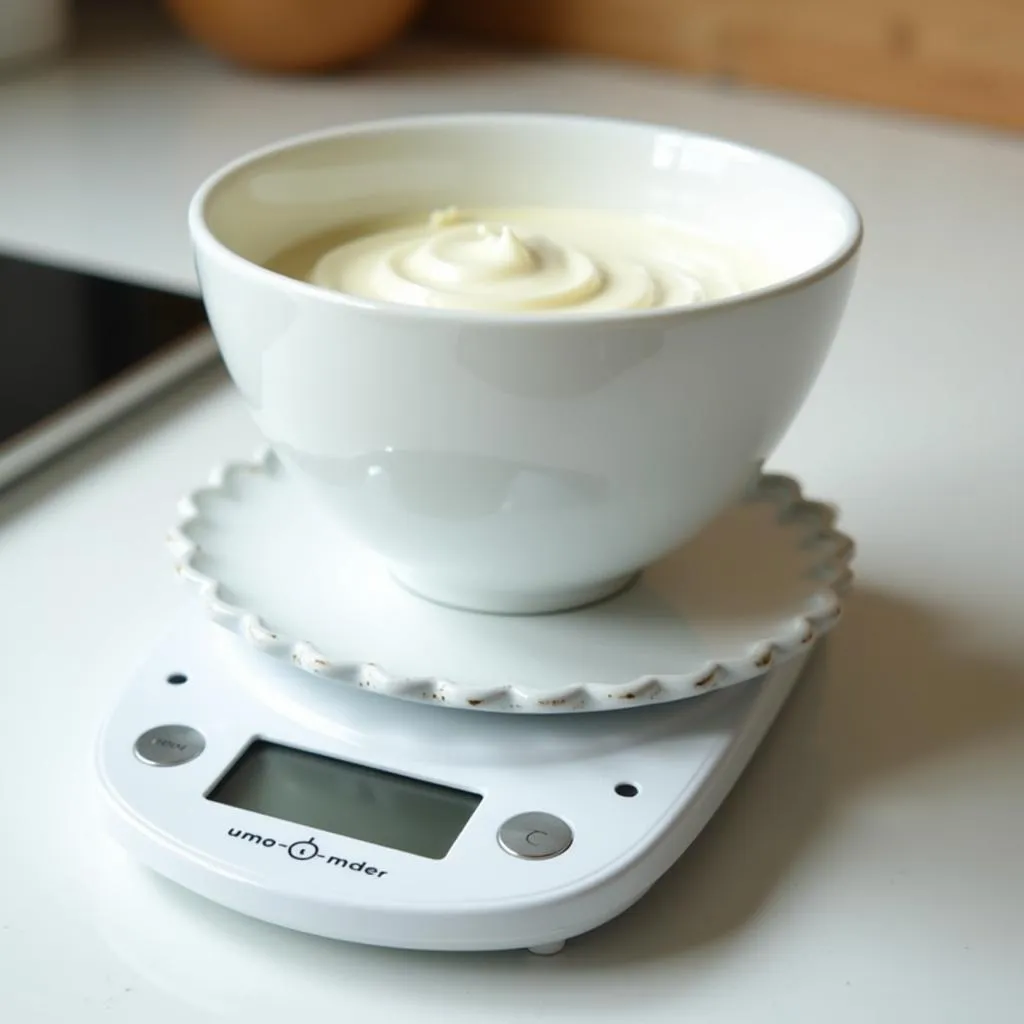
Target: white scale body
596	855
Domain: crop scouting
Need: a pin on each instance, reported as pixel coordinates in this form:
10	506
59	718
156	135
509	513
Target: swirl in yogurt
535	260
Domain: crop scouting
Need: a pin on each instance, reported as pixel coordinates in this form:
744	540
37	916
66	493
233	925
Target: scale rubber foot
548	948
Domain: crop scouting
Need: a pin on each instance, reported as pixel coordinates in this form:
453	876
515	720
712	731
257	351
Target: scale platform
258	766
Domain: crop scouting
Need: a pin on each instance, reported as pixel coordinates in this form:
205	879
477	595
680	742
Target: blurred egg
293	35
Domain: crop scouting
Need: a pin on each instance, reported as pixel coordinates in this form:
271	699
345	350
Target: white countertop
886	882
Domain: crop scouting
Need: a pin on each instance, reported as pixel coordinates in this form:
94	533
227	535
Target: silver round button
535	836
168	745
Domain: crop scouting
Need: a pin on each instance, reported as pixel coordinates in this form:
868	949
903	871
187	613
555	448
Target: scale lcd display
347	799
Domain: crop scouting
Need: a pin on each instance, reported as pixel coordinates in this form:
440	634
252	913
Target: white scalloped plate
761	583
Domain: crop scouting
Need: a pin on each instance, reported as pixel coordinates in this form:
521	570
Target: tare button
169	745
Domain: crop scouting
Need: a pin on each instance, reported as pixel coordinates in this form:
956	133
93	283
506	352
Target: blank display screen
64	333
347	799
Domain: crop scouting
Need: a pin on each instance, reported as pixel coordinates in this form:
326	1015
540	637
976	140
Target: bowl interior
777	211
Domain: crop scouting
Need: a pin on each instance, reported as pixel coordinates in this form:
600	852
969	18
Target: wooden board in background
955	58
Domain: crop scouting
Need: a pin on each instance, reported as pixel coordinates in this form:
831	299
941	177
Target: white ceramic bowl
521	463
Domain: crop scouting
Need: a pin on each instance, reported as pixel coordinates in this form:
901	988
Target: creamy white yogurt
536	260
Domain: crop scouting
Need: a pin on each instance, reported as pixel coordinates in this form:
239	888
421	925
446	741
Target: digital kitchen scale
509	797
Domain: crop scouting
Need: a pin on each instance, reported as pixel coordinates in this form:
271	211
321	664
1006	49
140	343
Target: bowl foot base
497	602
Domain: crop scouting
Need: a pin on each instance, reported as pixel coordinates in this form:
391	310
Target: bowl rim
204	238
